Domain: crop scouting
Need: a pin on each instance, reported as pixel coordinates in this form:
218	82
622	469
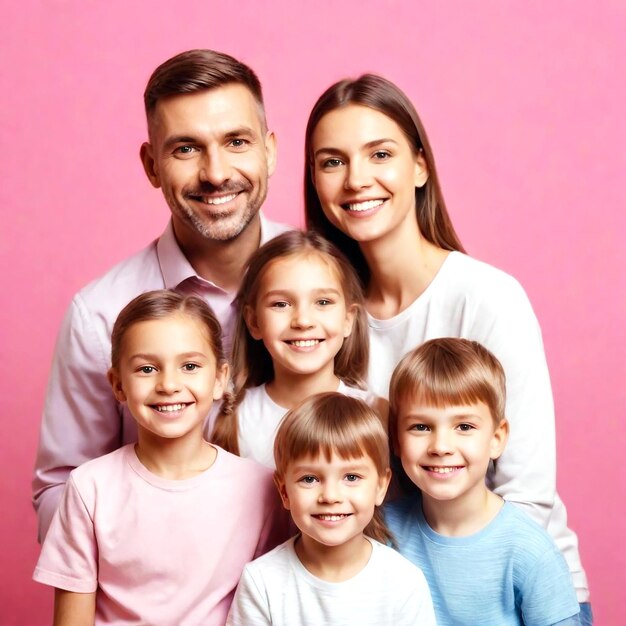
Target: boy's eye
465	427
147	369
308	480
352	478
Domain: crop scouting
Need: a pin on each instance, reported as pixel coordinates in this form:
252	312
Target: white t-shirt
473	300
258	418
160	551
277	589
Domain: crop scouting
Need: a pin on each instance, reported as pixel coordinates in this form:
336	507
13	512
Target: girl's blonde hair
251	362
159	304
328	423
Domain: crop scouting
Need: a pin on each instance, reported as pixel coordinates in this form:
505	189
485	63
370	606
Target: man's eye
184	150
238	143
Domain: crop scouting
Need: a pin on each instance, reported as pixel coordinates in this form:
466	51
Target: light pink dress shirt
81	418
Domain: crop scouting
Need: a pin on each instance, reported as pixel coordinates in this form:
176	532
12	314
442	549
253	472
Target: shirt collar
175	267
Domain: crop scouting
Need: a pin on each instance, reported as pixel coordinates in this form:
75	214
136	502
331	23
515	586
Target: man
210	153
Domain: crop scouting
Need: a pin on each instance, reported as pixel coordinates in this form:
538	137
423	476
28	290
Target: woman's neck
175	459
333	563
401	266
462	516
289	389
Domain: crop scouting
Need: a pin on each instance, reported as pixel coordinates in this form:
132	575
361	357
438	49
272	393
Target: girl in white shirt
371	187
332	472
302	330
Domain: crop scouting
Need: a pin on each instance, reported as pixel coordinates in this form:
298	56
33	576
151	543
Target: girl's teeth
443	470
305	343
220	200
331	518
365	206
169	408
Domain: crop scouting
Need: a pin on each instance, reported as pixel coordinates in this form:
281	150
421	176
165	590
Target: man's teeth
169	408
220	199
332	518
364	206
443	470
305	343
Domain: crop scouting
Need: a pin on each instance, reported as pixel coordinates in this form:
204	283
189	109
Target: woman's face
365	173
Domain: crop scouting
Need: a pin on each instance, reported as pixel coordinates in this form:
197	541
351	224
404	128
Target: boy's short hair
331	422
448	371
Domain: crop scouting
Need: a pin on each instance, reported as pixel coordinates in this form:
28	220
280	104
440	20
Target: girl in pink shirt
158	532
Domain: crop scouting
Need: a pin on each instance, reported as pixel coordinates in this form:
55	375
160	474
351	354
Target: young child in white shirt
302	330
486	560
158	532
332	472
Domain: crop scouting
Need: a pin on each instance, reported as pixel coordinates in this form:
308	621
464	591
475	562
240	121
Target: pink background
524	103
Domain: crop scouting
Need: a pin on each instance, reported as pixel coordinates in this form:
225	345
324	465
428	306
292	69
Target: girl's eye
421	428
330	163
324	301
147	369
281	304
191	367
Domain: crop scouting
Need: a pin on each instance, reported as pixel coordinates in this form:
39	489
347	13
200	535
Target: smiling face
210	154
301	315
332	501
365	173
168	376
446	451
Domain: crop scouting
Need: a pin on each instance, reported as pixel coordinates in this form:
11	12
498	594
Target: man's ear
271	148
146	154
282	491
421	170
116	384
499	439
249	315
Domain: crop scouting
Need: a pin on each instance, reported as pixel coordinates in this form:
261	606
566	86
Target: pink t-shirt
160	551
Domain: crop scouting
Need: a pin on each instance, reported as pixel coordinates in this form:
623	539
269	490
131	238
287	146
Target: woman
371	187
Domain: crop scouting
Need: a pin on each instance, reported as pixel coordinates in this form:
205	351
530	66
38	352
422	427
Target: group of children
165	531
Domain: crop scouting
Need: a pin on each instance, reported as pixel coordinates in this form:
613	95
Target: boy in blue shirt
485	560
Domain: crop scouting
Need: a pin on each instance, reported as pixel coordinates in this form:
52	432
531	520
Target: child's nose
169	382
440	443
329	493
301	317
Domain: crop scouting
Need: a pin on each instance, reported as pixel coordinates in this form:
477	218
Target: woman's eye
381	155
330	163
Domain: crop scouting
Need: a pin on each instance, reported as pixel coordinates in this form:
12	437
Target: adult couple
371	187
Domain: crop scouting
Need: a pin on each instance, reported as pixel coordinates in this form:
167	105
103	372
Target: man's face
210	154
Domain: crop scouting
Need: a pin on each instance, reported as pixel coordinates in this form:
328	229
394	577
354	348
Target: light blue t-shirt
510	572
